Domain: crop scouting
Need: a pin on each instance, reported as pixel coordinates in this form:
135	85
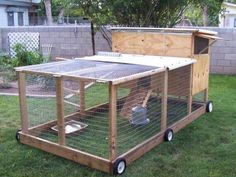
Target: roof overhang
164	30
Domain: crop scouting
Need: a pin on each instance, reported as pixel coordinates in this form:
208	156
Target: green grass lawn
204	148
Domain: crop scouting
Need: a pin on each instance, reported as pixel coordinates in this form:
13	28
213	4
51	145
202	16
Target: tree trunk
48	8
205	16
61	16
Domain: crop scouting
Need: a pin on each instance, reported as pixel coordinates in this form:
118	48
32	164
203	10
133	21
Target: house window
20	19
234	22
10	18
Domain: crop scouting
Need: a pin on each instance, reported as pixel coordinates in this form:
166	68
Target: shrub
24	57
7	72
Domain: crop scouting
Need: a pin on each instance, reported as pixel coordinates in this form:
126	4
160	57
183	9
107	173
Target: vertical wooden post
164	100
23	105
81	96
206	95
190	97
112	122
60	110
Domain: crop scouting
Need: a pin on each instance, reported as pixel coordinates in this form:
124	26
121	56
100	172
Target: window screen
10	18
20	19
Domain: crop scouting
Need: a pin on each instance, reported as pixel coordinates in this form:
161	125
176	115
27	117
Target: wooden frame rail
152	142
23	104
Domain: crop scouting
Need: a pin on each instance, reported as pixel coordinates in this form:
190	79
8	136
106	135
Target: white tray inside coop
71	127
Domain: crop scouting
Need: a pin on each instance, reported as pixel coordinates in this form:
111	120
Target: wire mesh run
87	109
89	69
139	113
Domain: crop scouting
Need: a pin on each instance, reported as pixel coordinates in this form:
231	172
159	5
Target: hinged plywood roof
164	30
146	60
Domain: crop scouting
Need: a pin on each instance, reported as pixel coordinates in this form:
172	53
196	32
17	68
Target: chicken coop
107	110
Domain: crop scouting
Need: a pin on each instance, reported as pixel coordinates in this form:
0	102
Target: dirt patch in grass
35	89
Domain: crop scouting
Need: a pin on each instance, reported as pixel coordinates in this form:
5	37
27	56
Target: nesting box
89	109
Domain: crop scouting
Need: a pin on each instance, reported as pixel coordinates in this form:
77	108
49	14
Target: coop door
200	73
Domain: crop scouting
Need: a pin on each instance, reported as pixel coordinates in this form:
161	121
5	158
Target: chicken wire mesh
139	114
90	69
41	104
87	113
42	112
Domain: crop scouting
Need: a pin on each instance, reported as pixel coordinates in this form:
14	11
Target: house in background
18	12
227	18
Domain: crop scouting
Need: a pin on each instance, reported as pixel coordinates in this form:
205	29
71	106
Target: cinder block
213	62
229	70
219	43
230	56
233	63
217	56
226	50
223	63
231	43
217	69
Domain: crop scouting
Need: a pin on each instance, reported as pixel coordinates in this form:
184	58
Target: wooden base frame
103	164
29	137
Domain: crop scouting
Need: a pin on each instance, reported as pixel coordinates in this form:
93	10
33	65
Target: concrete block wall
0	40
76	41
67	41
223	52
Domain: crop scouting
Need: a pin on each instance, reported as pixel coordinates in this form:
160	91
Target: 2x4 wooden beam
112	122
22	99
152	142
67	152
60	110
164	100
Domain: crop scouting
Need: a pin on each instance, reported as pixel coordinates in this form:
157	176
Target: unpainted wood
152	44
23	102
82	96
137	76
165	30
112	122
66	152
188	119
144	104
164	99
178	81
200	73
73	116
136	97
60	110
206	95
190	97
152	142
62	59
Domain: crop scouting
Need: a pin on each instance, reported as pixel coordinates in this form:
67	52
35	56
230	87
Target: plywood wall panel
200	73
152	44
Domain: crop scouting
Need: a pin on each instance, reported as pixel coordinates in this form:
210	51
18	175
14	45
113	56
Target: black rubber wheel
169	135
17	135
119	166
209	106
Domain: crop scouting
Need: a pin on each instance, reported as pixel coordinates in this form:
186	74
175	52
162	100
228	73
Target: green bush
7	72
5	61
24	57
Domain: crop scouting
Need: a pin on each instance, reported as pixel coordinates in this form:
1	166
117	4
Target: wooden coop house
107	110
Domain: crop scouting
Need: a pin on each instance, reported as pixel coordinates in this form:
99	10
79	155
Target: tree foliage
204	12
157	13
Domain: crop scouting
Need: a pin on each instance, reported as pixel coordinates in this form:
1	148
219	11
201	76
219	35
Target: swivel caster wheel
119	166
209	106
17	136
169	135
